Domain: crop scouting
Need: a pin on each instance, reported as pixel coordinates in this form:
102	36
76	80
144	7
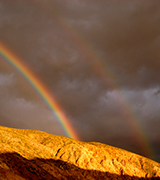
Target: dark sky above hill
99	59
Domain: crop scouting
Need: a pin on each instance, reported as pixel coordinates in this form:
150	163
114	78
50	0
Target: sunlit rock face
28	154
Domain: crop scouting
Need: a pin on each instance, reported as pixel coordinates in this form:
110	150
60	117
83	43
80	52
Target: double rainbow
96	63
41	90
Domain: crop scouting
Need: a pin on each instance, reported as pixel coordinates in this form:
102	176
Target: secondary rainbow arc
96	63
41	90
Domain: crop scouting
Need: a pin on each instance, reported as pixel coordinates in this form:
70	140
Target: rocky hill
35	155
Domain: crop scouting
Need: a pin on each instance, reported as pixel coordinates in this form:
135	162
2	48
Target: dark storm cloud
71	46
128	36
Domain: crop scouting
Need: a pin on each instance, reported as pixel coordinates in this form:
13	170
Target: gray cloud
21	113
6	79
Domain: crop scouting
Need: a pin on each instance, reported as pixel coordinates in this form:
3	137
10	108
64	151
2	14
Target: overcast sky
99	59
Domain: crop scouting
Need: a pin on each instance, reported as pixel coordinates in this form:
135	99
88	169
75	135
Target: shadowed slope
28	154
51	169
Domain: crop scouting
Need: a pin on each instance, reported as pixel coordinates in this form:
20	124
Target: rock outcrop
28	154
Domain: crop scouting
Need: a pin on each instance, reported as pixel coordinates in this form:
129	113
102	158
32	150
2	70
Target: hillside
29	154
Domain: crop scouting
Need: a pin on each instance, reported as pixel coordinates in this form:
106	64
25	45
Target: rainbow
41	90
96	63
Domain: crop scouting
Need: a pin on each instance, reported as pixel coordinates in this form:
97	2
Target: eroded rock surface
28	154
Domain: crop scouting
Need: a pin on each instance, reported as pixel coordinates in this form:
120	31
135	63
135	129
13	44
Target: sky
99	60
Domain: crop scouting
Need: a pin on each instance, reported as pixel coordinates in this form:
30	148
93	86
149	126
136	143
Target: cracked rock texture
28	154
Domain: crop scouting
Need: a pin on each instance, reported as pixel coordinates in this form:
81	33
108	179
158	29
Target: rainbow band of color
42	91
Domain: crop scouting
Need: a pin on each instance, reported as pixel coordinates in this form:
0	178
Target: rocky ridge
29	154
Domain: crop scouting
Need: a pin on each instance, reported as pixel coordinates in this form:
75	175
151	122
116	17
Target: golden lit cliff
28	154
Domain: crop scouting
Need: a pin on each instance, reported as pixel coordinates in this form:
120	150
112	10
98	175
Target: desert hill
36	155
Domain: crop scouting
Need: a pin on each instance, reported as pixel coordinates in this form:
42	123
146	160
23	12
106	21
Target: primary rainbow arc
42	91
